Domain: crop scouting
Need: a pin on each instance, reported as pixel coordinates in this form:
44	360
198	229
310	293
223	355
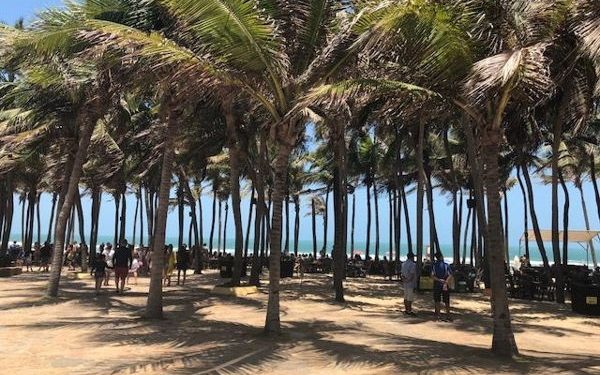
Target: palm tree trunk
420	196
150	216
214	217
24	220
287	224
594	182
525	213
314	226
464	254
406	220
390	225
272	321
96	201
219	226
39	224
258	182
123	216
505	200
225	225
70	186
455	230
200	221
353	220
368	240
248	225
296	223
154	304
117	198
180	213
8	215
135	218
340	204
432	226
587	221
376	200
32	198
236	201
81	226
460	215
52	211
140	197
534	221
559	272
325	219
565	257
503	340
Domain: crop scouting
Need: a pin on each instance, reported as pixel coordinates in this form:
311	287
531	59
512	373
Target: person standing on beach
409	279
108	257
122	262
98	270
442	275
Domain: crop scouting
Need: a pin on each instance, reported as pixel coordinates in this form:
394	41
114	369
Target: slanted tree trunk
534	220
272	321
586	218
525	213
154	304
86	123
258	183
464	255
52	211
594	182
503	340
32	198
433	228
406	220
225	225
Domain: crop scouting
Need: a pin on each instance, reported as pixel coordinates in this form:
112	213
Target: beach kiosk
584	238
585	296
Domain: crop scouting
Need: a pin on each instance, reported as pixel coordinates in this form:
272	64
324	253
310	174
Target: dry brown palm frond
525	71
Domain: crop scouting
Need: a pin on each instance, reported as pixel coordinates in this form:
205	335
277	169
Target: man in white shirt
409	278
108	253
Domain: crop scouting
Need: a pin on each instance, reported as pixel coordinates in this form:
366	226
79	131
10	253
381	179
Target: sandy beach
208	334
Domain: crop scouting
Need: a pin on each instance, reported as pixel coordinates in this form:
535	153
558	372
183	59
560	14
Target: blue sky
11	10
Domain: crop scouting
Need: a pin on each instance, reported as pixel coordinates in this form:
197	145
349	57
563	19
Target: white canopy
579	236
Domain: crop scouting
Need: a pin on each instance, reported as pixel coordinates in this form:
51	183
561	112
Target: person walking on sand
169	265
122	261
98	270
442	276
409	279
183	263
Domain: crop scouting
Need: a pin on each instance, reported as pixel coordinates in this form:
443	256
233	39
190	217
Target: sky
11	10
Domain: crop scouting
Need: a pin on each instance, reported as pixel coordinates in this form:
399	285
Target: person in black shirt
45	254
122	261
99	267
183	263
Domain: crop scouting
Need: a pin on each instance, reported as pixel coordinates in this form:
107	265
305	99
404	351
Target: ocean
577	254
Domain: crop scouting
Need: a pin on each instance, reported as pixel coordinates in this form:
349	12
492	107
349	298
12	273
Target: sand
203	333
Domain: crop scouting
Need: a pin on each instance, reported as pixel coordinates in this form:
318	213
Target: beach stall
584	238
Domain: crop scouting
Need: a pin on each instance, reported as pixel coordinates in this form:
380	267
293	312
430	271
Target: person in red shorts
122	261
